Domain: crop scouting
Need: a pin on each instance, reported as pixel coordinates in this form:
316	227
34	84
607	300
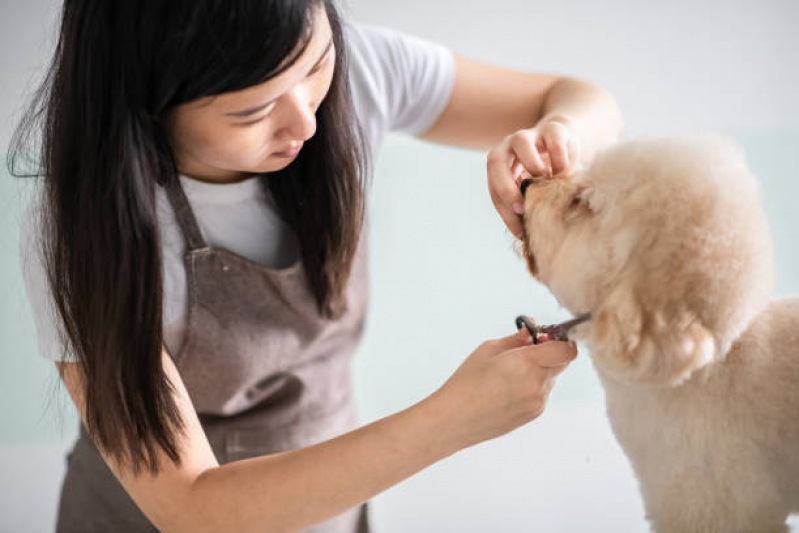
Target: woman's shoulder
400	82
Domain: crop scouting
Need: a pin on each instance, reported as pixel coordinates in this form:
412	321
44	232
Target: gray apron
265	371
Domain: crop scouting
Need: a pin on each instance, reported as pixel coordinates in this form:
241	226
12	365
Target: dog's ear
583	203
635	342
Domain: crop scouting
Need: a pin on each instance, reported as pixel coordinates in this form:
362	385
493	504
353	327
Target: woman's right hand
502	385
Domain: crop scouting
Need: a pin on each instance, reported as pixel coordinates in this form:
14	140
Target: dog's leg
630	341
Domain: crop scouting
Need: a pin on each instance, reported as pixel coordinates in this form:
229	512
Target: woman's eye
250	123
319	66
267	112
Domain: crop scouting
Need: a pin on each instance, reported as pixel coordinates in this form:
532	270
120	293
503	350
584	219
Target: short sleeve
49	334
401	83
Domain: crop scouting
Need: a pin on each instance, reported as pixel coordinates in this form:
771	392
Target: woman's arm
503	384
278	492
488	103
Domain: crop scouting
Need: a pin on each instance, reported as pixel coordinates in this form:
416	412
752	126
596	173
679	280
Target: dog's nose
524	184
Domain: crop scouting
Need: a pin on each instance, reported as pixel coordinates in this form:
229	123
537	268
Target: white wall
721	64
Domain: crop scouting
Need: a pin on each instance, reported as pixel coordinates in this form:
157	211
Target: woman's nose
300	114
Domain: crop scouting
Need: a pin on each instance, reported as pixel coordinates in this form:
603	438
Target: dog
665	242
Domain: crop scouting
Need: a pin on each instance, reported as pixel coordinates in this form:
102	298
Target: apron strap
185	215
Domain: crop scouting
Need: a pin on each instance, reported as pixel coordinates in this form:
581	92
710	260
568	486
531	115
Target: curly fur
666	243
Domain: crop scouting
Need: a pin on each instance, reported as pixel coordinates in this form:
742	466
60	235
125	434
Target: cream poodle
665	243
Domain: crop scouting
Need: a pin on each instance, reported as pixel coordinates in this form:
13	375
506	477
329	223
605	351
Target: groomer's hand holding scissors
551	148
502	385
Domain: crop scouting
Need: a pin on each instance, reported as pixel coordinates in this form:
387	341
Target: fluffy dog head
665	242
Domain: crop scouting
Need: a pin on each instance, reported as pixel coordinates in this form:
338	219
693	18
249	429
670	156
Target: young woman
196	258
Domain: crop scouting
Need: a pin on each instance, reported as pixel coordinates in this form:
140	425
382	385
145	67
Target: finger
524	146
554	371
517	340
517	169
552	354
503	189
519	174
574	150
547	163
499	164
556	146
512	220
543	151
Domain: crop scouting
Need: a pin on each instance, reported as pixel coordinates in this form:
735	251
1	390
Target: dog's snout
524	184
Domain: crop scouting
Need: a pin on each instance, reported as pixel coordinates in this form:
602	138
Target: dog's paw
633	342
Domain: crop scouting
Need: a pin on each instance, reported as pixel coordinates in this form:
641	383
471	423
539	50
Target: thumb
551	354
517	340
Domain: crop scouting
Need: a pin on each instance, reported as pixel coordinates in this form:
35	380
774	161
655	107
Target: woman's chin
274	163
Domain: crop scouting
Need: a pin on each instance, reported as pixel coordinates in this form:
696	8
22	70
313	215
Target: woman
196	260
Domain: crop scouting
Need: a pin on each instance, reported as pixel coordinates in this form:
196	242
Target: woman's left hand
551	148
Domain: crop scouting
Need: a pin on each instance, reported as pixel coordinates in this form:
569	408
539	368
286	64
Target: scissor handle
558	332
524	322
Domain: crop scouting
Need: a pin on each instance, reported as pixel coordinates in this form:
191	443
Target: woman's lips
291	152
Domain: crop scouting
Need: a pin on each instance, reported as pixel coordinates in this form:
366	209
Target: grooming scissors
558	332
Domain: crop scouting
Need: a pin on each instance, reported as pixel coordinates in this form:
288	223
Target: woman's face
224	138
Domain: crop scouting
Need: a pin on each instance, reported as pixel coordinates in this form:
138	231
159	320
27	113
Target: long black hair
97	126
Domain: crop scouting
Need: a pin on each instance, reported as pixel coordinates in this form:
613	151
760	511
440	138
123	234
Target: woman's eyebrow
253	110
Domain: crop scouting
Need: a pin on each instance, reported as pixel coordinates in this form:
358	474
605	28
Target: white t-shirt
400	83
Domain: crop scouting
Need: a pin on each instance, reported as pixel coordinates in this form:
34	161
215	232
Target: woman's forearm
291	491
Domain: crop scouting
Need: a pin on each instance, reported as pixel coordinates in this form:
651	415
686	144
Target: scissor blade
569	324
560	332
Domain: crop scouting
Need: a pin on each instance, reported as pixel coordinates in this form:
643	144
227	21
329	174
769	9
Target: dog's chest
650	424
